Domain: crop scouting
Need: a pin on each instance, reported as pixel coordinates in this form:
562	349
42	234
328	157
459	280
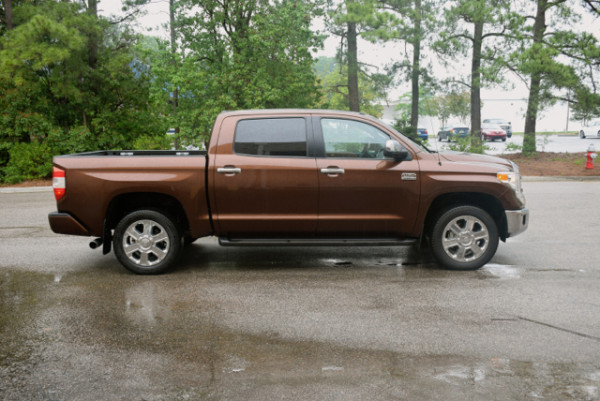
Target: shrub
466	145
28	161
157	142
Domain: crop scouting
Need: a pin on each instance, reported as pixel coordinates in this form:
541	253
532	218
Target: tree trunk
476	84
93	39
533	103
173	54
8	14
353	99
416	67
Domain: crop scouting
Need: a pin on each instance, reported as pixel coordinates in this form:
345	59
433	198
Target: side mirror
394	150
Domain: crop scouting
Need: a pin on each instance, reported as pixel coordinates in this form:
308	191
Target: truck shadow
210	256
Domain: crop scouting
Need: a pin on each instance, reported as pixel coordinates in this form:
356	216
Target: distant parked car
423	134
451	132
491	132
506	125
592	130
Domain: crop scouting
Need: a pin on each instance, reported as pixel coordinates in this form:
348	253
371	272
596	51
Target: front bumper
516	221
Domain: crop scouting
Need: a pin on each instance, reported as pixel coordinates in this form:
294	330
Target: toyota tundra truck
290	177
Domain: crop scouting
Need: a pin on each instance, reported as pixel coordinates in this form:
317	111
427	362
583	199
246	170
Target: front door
361	192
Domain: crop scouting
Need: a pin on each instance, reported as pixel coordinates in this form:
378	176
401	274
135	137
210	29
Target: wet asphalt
304	323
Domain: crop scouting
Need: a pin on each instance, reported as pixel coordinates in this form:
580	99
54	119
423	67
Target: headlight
513	179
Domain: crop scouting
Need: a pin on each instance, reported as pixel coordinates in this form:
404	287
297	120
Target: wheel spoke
470	222
460	254
148	227
159	253
133	233
131	248
477	251
144	261
450	242
455	228
160	237
482	235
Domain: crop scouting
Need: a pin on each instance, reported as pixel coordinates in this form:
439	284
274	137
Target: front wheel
464	238
582	134
146	242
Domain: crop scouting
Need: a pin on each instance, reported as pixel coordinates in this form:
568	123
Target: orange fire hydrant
591	155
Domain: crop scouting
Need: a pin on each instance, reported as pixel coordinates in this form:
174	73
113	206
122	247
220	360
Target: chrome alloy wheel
146	243
465	238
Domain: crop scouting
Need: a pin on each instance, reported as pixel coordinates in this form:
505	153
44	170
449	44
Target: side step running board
317	242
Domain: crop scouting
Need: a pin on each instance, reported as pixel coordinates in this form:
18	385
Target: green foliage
73	81
587	104
156	142
28	161
467	144
558	62
450	105
254	54
512	147
334	90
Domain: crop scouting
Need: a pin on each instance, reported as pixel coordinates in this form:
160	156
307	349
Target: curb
21	190
533	178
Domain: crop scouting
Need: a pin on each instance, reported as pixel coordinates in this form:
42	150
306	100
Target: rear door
363	193
264	178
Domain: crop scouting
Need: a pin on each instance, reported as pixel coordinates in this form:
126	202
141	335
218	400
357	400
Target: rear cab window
271	137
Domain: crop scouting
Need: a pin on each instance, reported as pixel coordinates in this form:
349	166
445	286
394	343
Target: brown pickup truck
290	177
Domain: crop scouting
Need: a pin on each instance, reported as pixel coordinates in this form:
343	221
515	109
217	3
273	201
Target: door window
348	138
271	137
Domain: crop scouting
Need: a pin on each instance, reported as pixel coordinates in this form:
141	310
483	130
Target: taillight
59	183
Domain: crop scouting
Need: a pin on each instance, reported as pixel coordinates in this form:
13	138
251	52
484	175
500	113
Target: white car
592	130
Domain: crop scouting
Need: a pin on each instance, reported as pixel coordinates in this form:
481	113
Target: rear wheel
464	238
146	242
582	134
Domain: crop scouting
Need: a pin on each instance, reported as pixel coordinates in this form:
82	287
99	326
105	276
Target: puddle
505	272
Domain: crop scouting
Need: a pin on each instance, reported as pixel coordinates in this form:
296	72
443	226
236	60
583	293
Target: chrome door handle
229	170
332	170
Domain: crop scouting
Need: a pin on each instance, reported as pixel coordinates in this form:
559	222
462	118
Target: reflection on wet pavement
501	271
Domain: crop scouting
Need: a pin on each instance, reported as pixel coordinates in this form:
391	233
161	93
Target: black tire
147	242
464	238
581	134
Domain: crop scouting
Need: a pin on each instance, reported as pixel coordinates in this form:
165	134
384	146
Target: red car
491	132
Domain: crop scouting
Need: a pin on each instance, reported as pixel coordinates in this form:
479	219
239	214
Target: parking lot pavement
304	323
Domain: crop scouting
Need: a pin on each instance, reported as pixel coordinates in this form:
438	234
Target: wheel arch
124	204
486	202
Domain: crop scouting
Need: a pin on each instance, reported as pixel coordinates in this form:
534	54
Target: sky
497	103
